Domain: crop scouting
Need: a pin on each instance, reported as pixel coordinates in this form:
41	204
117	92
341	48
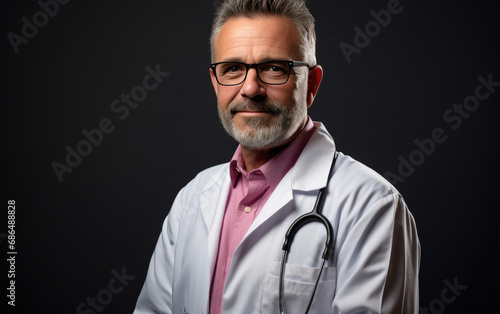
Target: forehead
257	39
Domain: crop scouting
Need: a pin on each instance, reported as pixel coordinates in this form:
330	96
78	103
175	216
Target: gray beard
263	134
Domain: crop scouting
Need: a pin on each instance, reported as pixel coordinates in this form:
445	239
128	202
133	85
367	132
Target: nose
252	86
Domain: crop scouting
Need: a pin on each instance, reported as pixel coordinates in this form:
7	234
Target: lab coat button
247	209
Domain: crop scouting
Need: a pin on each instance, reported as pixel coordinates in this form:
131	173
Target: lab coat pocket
298	288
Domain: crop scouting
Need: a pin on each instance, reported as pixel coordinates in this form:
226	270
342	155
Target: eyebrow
237	59
233	60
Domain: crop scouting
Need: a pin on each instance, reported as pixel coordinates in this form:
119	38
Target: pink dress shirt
248	194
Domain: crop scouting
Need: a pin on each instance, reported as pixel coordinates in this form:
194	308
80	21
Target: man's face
256	114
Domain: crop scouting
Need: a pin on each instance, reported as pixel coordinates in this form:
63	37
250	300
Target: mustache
254	106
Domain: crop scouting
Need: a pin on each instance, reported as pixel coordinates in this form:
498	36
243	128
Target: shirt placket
257	186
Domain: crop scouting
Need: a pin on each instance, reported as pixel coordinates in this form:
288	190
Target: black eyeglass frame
248	66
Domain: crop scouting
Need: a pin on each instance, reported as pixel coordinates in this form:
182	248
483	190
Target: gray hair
296	10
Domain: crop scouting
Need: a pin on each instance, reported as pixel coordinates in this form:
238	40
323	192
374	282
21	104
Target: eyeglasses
273	72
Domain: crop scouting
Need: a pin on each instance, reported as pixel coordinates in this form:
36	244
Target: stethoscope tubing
314	215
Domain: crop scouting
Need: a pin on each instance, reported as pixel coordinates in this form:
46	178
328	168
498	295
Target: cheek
225	95
282	94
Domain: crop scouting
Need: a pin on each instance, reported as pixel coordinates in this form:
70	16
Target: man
221	244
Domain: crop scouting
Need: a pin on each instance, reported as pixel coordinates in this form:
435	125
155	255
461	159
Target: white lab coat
374	268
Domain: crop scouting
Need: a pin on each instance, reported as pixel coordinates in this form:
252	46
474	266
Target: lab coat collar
312	167
309	173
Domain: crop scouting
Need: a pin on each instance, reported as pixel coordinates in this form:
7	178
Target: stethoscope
314	215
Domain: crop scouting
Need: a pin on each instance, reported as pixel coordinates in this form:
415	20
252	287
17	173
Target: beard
264	132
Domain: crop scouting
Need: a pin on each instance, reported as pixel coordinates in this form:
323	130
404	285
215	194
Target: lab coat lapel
213	200
309	173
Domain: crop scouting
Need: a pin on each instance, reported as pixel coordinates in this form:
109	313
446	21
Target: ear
214	81
314	79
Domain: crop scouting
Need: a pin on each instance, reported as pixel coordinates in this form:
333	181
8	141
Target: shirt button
247	209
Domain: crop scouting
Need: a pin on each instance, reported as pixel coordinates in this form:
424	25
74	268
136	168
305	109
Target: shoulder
206	179
188	198
357	175
362	188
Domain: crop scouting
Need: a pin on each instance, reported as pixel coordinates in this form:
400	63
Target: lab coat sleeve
378	260
156	294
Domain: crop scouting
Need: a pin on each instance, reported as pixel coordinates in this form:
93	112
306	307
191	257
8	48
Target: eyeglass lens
271	72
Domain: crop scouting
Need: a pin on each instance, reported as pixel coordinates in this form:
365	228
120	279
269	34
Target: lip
250	113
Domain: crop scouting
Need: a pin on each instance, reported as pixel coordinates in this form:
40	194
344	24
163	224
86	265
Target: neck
254	158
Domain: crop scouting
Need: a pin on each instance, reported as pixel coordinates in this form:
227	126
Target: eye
275	68
231	68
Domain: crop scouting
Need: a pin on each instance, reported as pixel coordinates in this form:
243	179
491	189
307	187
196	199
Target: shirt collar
275	169
236	166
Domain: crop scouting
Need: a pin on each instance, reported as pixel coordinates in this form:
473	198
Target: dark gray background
107	213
